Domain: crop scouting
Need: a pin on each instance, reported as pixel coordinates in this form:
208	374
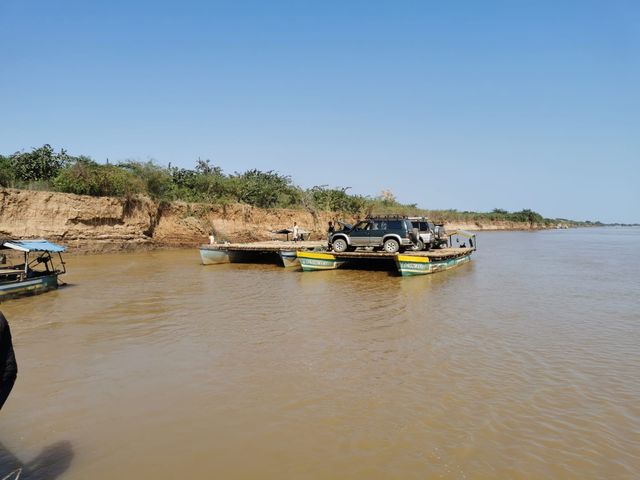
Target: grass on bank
44	169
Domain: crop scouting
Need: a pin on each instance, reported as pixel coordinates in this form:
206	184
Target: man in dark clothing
8	366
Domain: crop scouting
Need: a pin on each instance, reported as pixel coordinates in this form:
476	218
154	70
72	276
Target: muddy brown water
524	363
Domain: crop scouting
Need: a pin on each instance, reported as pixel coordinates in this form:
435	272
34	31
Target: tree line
45	169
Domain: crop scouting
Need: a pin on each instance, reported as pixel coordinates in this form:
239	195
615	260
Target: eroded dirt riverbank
106	224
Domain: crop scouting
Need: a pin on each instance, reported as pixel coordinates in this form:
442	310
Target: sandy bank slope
93	224
109	224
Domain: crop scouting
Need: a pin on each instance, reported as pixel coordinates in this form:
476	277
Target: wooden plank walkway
278	246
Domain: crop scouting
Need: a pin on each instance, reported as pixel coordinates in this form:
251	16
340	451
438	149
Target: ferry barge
315	256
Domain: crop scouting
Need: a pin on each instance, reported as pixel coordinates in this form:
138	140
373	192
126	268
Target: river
523	363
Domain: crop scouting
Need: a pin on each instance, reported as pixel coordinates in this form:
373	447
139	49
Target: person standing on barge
296	232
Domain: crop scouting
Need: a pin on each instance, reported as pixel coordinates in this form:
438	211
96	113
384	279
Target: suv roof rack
387	217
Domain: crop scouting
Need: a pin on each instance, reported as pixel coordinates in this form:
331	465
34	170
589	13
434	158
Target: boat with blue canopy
29	267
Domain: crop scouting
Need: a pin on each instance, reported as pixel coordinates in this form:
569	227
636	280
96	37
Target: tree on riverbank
40	165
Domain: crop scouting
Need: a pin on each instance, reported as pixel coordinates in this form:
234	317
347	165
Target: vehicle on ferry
390	233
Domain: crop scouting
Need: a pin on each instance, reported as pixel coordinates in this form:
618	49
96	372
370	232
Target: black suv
390	233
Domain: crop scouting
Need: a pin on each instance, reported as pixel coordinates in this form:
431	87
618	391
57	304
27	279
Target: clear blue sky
467	105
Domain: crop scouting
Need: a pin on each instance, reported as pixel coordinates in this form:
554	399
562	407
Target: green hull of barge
411	265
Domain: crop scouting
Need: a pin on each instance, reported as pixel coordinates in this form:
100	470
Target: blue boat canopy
39	245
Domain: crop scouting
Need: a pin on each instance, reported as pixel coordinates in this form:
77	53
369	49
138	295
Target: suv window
394	224
422	226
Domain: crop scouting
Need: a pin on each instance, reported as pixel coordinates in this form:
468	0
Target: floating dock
313	256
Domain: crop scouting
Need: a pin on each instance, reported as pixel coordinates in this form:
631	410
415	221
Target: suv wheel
418	246
340	245
391	246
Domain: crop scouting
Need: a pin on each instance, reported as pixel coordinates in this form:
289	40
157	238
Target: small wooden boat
37	274
289	258
210	256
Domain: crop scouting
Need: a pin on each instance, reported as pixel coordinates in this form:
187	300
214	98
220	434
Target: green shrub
7	173
90	178
264	189
156	180
205	183
336	200
39	164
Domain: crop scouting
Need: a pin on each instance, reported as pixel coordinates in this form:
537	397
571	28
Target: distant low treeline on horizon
44	169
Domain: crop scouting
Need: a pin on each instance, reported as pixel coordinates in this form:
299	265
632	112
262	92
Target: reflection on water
520	364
